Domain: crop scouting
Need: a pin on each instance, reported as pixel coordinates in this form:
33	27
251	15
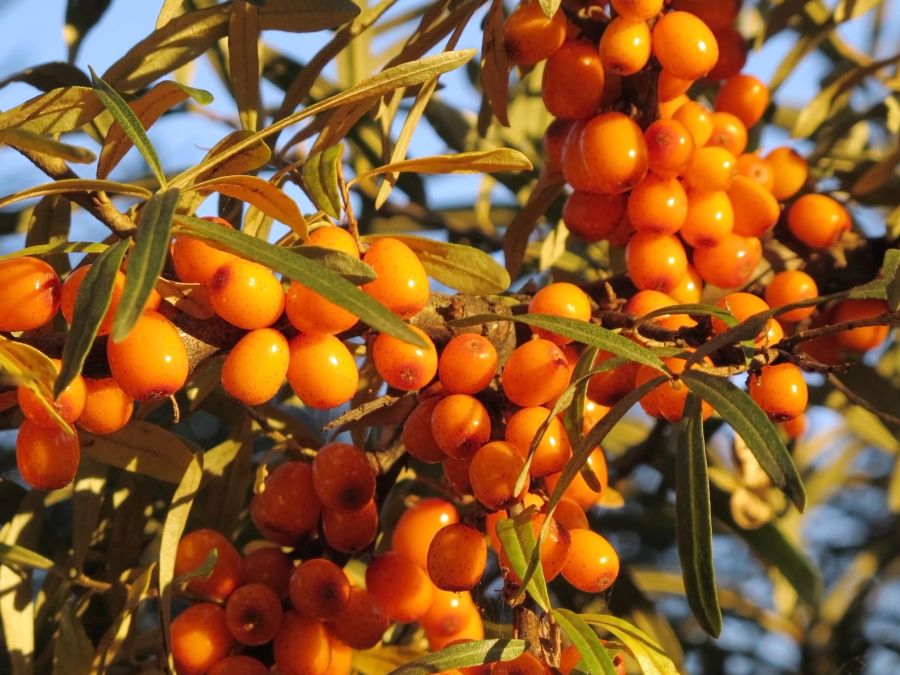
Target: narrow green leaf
478	161
649	655
693	309
146	260
320	174
891	269
57	248
473	653
594	657
352	269
130	124
30	140
143	448
693	521
76	185
94	297
14	555
750	423
746	330
294	266
517	539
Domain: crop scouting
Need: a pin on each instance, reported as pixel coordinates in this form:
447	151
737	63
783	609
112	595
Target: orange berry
401	283
399	586
866	337
554	141
106	407
728	132
731	262
592	565
47	457
609	386
667	399
68	405
658	205
402	365
789	171
741	306
655	261
530	37
553	449
638	9
319	589
302	645
625	45
643	302
670	147
253	614
493	473
199	638
593	217
69	294
578	490
239	664
335	238
362	623
341	659
684	45
457	473
554	548
560	299
193	550
667	109
256	366
757	169
744	96
151	362
417	526
690	289
789	287
796	426
669	87
246	295
716	14
350	531
526	664
342	477
818	220
417	437
572	86
570	515
614	153
321	370
310	312
31	293
755	209
288	507
732	54
711	168
194	260
467	364
779	390
709	220
268	565
697	120
457	557
534	373
460	424
448	616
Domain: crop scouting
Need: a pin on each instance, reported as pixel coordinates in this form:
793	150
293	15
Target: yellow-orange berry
467	364
593	217
684	45
457	473
246	295
417	526
755	209
609	386
335	238
560	299
238	664
667	109
342	477
526	664
350	531
789	287
756	168
460	424
196	261
417	437
570	515
403	365
655	261
729	263
863	338
30	295
669	87
268	565
711	168
789	172
362	623
530	37
253	614
553	449
625	45
319	589
193	550
667	400
256	366
448	615
106	407
69	294
644	302
69	405
288	506
637	9
151	362
796	426
709	219
321	370
572	86
46	457
697	120
670	147
657	204
536	372
578	490
401	587
457	557
592	565
744	96
310	312
716	14
341	659
302	645
401	283
614	153
199	638
741	306
690	289
494	470
728	132
818	220
779	390
554	547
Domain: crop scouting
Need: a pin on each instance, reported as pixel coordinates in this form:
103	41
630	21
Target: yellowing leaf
77	185
57	111
495	63
30	140
250	157
243	60
479	161
141	447
305	16
32	368
321	179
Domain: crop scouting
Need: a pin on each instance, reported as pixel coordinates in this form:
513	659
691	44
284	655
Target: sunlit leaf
320	174
57	248
30	140
517	538
472	653
57	111
479	161
594	657
243	60
140	447
18	556
651	657
76	185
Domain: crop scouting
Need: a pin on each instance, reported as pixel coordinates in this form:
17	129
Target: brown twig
886	319
861	402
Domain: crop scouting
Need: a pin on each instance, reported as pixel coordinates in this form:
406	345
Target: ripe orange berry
399	586
667	399
256	366
741	306
554	547
526	664
668	108
457	473
31	293
193	550
342	476
530	37
560	299
789	287
238	664
657	205
460	424
669	87
755	209
106	407
690	289
457	557
779	390
246	295
417	437
716	14
609	386
553	449
417	526
268	565
756	168
796	426
614	153
643	302
593	217
684	45
47	457
710	218
818	220
69	294
302	645
697	120
625	45
448	615
199	638
467	364
362	623
534	373
196	261
655	261
866	337
288	507
732	54
572	86
321	370
570	515
350	531
789	172
253	614
319	589
592	565
711	169
731	262
744	96
578	490
728	132
310	312
341	659
68	405
493	473
402	365
151	362
670	147
638	9
335	238
401	284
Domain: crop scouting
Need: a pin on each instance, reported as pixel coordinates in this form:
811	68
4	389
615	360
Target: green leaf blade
594	657
462	655
320	174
